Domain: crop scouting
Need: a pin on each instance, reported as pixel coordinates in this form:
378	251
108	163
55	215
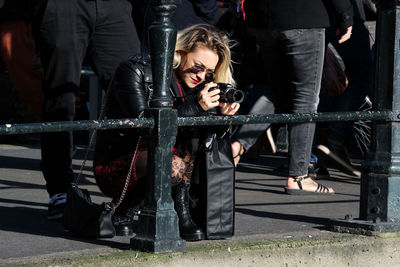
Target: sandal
236	158
321	189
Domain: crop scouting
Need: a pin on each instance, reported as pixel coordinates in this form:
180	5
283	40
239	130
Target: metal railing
380	181
24	128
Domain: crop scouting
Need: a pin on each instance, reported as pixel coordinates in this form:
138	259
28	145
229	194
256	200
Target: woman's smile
195	81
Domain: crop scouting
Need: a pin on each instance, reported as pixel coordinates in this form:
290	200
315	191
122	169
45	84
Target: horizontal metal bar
8	129
289	118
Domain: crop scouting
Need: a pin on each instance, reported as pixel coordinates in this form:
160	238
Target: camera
229	94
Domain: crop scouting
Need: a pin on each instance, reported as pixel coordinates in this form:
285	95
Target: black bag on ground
85	218
214	209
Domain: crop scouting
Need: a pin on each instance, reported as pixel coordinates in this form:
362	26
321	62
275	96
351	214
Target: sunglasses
198	69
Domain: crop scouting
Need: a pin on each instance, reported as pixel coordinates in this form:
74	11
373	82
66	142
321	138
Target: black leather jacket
128	97
132	87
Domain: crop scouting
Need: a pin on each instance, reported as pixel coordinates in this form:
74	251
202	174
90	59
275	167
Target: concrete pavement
262	207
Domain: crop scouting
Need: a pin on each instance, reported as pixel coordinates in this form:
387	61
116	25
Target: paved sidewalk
262	208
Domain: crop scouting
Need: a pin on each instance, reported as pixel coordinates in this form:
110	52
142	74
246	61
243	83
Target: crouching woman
202	59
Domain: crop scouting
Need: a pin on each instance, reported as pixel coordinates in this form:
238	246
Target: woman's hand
344	35
209	98
229	108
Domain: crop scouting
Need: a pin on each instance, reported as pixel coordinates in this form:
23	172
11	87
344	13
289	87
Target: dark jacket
187	13
299	14
190	12
128	97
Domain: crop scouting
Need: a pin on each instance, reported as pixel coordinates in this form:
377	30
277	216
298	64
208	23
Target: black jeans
100	31
293	60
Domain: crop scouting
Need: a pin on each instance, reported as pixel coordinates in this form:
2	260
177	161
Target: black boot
123	225
123	221
187	228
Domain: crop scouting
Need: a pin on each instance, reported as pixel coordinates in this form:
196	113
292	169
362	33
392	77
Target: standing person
357	58
202	59
18	52
67	32
291	35
186	14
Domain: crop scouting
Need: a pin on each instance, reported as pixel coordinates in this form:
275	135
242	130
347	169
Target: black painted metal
23	128
159	229
162	35
9	129
289	118
158	222
380	182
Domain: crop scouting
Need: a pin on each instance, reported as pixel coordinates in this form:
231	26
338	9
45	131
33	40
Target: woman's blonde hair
212	38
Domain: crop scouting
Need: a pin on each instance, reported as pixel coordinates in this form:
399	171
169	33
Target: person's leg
266	104
114	39
111	176
182	168
112	171
18	53
357	58
249	133
63	34
304	55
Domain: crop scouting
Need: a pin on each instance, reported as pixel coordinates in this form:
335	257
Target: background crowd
44	45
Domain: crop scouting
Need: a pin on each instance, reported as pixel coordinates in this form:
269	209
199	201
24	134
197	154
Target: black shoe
317	171
187	228
338	157
123	221
123	225
56	206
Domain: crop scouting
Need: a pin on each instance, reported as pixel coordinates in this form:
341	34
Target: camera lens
230	94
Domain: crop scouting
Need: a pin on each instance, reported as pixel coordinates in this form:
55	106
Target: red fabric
180	91
111	177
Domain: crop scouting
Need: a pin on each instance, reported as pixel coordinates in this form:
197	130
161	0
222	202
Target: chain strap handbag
85	218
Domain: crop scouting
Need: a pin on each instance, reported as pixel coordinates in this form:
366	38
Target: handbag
87	219
214	209
334	79
83	217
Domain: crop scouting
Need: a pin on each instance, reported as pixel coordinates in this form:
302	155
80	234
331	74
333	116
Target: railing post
158	222
380	182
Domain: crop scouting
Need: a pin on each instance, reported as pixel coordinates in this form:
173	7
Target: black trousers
68	31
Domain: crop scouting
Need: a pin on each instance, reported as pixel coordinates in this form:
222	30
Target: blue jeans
293	60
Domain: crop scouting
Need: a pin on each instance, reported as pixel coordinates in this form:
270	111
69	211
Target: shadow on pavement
281	216
34	221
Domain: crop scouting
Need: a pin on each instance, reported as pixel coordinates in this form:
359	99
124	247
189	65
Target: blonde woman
202	59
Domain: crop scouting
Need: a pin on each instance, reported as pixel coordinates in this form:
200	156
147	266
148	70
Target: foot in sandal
237	152
305	185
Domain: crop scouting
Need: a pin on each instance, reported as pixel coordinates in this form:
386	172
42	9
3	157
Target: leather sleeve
129	89
190	108
130	93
